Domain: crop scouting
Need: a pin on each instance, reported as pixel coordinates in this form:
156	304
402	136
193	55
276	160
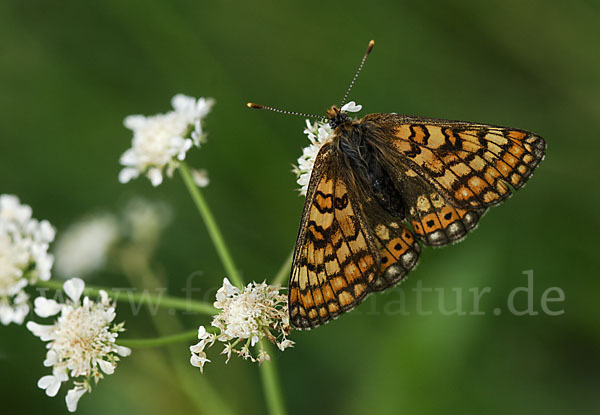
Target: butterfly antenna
264	107
369	49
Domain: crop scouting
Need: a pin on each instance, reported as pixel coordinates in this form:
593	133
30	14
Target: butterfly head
337	117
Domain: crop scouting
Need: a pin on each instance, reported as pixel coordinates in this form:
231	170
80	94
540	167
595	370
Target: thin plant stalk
198	390
270	382
127	295
158	341
211	226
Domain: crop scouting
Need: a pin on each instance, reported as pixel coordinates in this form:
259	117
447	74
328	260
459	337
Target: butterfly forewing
335	259
471	165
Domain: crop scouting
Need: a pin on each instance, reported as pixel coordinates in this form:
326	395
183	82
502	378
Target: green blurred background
71	71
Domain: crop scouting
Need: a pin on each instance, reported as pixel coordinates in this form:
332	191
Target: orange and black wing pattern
471	165
379	177
398	248
450	172
335	259
435	221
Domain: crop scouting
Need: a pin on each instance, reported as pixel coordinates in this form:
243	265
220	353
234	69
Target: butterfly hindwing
335	259
434	220
470	165
437	223
398	248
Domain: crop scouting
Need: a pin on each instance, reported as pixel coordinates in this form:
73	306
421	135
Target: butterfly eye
338	119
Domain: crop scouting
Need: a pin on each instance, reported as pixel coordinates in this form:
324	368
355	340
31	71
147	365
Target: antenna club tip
253	105
370	47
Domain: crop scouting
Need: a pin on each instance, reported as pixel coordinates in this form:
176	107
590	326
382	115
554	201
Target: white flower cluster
161	140
318	133
81	341
24	257
246	317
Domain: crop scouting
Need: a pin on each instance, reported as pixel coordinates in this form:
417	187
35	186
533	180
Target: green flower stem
270	381
159	341
126	295
206	399
284	271
211	225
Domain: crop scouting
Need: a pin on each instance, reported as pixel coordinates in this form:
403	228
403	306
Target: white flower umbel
24	257
162	140
81	344
83	247
318	133
247	316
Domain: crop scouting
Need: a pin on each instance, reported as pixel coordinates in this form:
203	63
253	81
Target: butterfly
384	185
